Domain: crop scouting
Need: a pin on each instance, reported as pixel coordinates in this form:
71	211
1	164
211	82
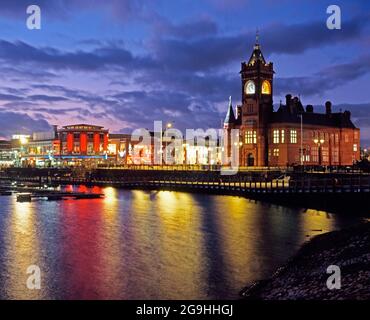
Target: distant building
70	145
127	149
292	135
6	154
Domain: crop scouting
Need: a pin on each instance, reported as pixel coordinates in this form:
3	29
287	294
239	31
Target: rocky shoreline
305	276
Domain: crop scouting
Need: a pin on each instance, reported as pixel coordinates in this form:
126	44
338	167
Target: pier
28	192
27	197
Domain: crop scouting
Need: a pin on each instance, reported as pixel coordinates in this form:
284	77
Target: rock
304	276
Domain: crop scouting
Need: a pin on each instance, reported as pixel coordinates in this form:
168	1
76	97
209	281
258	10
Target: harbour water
149	244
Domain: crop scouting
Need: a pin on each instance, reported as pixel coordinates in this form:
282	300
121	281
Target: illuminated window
275	152
112	148
266	87
282	136
250	137
76	147
275	136
325	154
355	147
336	138
90	148
335	154
315	154
293	136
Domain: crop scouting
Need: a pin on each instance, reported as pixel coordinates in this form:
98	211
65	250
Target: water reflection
149	244
237	227
180	247
314	222
22	244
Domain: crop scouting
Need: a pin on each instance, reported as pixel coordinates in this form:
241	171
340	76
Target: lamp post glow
319	142
23	140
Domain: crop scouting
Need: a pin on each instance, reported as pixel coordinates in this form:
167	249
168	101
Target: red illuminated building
83	140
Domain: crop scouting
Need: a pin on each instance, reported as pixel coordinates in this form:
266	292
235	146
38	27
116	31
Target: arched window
266	87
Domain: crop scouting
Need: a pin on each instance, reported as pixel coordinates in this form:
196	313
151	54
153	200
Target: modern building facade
83	140
70	145
291	135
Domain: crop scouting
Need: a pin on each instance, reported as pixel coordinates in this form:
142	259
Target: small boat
24	197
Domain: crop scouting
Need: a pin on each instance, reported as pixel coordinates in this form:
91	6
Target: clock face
250	87
266	87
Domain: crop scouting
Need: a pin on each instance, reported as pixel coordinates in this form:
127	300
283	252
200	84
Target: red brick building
291	135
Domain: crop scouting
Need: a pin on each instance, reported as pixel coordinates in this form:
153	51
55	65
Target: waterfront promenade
326	191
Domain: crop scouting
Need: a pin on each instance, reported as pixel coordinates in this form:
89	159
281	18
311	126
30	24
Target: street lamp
319	142
301	153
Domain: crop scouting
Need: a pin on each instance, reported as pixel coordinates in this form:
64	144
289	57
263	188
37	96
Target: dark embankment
305	275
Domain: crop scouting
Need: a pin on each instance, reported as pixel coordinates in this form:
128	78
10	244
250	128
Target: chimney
347	114
328	107
295	105
288	102
239	112
288	99
309	108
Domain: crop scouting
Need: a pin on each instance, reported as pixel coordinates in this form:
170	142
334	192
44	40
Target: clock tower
257	107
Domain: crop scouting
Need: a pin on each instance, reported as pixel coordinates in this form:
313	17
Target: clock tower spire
257	105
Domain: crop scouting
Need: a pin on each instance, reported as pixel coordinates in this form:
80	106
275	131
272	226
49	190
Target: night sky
124	63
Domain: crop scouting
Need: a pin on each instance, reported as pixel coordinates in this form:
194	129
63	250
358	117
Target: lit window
325	154
335	154
293	136
275	152
315	154
276	136
250	137
336	138
112	148
282	136
266	87
355	147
